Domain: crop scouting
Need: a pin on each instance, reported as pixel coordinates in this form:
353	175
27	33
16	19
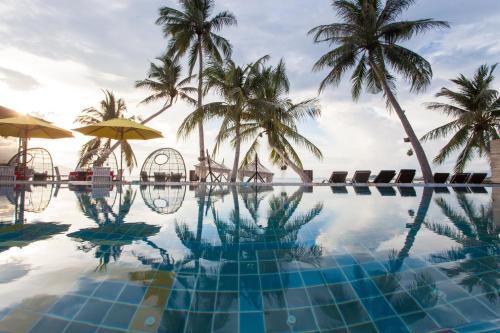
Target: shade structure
24	126
120	129
255	167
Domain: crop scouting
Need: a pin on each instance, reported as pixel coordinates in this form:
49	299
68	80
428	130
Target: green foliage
367	42
475	107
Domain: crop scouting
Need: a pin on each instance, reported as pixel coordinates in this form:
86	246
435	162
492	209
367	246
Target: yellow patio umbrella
24	127
120	129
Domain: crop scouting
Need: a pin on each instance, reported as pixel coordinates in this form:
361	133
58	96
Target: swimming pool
249	259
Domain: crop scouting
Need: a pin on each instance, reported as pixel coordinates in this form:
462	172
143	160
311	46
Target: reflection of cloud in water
12	271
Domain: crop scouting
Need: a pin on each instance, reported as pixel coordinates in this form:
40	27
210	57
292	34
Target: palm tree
276	117
235	84
367	42
476	109
192	30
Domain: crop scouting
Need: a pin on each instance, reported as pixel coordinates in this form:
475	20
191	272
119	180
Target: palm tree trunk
236	163
118	143
298	170
201	133
415	142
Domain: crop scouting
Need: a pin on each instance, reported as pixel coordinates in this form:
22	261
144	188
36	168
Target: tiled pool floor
285	260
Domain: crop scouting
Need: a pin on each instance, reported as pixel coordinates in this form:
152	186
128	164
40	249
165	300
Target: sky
56	57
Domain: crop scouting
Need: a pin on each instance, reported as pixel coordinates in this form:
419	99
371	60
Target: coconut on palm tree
367	42
276	118
235	84
110	108
193	30
475	105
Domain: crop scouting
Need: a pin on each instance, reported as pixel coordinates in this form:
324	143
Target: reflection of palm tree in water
477	257
112	232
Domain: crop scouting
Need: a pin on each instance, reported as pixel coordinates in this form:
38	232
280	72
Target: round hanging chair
38	161
88	161
164	163
163	199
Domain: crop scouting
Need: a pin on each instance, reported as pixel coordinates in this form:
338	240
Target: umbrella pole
25	157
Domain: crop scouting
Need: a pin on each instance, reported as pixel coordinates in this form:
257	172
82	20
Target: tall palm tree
110	108
476	109
367	42
235	84
276	117
192	30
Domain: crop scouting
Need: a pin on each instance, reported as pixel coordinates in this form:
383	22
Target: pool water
249	259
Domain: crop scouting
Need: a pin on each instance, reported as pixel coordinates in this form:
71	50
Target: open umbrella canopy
6	112
120	129
24	126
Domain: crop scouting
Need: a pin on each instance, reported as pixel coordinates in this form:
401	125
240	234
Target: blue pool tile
270	281
365	288
355	272
268	266
276	321
446	316
86	287
132	294
415	263
362	258
49	324
229	268
228	283
296	298
227	302
273	299
320	295
477	327
312	278
172	321
393	325
250	301
108	330
333	275
75	327
403	303
420	322
179	300
206	283
303	320
345	260
363	328
68	306
491	301
342	292
199	322
109	290
473	310
203	301
353	312
249	282
249	267
328	317
120	316
225	322
374	268
378	307
386	284
94	311
291	280
451	291
251	322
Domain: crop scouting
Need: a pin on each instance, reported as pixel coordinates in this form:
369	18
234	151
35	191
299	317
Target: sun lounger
339	189
174	177
406	176
407	191
460	178
160	177
362	190
441	189
144	176
384	177
361	177
386	191
338	177
7	173
40	176
477	178
441	177
478	190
